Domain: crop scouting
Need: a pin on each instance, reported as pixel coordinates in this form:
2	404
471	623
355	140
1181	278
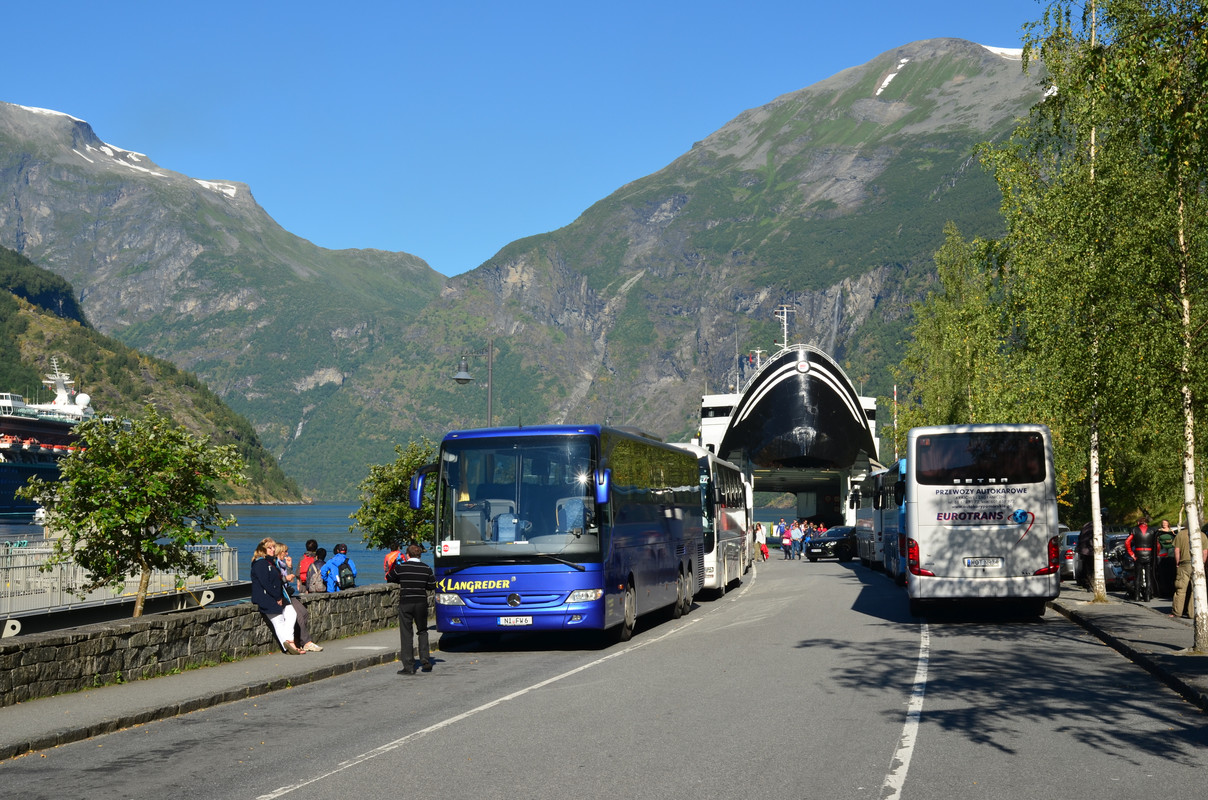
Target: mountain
40	321
194	271
829	200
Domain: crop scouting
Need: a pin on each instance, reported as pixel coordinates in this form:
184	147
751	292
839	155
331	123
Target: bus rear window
987	457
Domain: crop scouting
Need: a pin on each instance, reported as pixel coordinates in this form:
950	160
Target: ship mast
782	314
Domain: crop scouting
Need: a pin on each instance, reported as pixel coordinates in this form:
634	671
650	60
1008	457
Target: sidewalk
1140	631
1144	634
50	721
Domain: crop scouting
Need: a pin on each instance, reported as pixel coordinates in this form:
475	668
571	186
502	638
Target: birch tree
1156	68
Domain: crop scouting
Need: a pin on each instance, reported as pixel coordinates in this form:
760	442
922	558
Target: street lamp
463	375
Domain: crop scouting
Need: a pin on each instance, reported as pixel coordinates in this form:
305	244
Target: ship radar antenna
782	314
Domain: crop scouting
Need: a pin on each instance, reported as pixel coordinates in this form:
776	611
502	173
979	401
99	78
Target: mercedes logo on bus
513	600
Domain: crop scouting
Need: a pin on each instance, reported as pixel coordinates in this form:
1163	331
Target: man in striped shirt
415	580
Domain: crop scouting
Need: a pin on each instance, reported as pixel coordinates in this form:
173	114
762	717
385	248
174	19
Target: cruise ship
34	436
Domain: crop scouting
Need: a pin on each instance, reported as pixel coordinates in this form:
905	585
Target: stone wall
43	664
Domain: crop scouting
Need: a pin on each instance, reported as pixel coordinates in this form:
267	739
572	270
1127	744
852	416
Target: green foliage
133	498
957	368
385	518
1086	314
44	289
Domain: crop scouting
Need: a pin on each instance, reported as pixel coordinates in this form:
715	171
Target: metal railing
24	587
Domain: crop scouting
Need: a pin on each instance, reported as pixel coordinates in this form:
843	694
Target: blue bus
562	527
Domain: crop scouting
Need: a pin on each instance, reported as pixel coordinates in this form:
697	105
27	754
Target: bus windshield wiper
579	567
471	565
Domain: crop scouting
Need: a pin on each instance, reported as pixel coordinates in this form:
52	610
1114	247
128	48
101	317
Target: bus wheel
630	612
687	593
677	610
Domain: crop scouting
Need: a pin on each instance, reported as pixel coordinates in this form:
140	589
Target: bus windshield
522	498
981	457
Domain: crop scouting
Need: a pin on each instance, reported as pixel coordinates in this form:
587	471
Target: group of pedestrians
1148	547
794	537
274	591
276	587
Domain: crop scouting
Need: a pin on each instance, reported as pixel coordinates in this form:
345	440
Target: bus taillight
1054	558
912	560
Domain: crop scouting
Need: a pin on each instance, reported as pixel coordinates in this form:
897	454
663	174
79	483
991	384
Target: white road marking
900	764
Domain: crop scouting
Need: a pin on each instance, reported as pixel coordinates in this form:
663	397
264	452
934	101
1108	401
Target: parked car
1068	557
838	542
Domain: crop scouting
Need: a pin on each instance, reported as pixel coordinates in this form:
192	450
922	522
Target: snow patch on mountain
50	113
221	188
901	63
1015	53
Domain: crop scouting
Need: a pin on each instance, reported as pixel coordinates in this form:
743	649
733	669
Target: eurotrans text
970	516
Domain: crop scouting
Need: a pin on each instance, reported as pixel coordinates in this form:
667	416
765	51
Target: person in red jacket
308	558
1142	546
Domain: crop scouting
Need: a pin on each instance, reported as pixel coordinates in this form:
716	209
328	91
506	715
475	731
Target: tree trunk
1198	593
144	580
1098	584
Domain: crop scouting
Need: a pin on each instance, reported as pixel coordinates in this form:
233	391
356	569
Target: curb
1147	661
69	735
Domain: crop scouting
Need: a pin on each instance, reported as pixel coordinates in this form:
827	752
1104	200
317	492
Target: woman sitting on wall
268	593
302	629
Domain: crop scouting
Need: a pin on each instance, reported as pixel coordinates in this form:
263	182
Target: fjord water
327	523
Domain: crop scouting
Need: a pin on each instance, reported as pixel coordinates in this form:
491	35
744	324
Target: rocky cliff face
829	200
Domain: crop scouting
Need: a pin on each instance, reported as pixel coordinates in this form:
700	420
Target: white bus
981	515
726	498
889	521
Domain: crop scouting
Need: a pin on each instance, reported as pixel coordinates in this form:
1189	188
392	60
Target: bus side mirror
899	493
415	494
603	486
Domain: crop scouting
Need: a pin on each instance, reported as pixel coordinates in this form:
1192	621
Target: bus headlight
585	595
443	599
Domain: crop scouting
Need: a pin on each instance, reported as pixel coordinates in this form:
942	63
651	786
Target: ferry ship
34	436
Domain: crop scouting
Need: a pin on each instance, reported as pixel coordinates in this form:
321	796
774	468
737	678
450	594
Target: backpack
345	578
314	581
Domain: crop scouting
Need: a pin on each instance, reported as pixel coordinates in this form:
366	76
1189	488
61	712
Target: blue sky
444	129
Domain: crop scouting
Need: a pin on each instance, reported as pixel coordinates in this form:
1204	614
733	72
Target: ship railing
25	587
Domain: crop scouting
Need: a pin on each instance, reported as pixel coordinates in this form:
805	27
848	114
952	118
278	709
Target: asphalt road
808	681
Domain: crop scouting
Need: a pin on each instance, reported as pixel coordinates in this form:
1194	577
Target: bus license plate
515	621
984	563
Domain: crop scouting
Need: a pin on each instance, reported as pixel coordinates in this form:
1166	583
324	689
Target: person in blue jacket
331	570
